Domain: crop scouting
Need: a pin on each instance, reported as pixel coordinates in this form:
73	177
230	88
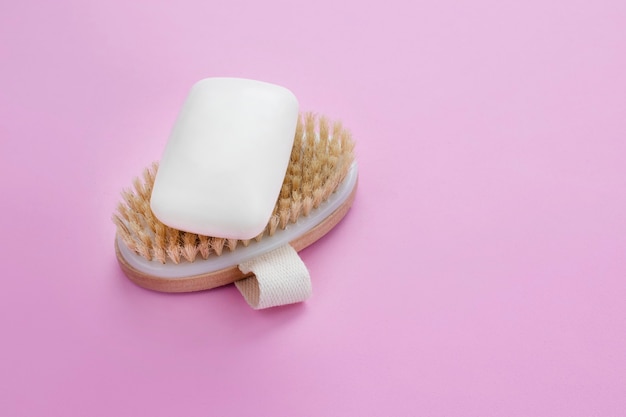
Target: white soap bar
225	161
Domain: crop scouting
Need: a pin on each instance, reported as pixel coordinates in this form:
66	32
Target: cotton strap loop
280	277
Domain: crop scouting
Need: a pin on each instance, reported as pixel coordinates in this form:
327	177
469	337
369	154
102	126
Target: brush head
321	157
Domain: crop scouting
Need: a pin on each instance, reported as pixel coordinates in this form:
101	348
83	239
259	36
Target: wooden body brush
315	193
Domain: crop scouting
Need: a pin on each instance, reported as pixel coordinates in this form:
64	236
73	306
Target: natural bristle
320	159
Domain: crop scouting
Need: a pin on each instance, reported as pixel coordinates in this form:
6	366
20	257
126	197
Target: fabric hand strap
280	277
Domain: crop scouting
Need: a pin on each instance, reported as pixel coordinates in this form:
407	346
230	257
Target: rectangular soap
223	166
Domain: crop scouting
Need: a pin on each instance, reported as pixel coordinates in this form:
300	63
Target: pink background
481	271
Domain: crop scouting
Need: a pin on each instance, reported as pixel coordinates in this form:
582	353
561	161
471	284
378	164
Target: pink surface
481	271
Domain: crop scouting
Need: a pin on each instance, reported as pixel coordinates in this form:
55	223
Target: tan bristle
122	214
296	182
317	197
323	129
204	246
273	224
122	229
295	207
307	205
284	205
320	159
190	247
285	191
159	242
217	244
299	128
140	190
173	248
144	245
